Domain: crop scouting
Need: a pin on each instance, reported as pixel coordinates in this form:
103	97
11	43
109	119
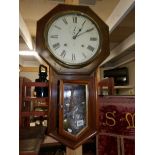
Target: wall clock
73	40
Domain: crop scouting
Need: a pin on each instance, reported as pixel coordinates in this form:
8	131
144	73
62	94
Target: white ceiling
118	14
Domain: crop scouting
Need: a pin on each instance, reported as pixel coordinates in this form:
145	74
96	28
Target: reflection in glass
75	107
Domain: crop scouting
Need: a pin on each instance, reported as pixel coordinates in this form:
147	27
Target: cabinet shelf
32	107
34	113
120	87
36	84
41	106
43	99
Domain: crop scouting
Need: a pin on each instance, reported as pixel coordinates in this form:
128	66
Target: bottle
42	91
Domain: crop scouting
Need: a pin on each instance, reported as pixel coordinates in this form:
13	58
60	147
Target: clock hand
85	31
74	37
74	30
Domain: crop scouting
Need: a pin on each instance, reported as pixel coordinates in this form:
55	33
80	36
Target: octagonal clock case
73	40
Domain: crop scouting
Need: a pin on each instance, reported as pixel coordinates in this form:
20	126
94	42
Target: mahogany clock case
60	68
62	77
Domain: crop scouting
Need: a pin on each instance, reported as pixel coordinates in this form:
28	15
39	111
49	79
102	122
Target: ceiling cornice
24	32
119	13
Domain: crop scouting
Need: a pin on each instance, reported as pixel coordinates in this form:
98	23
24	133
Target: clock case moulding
62	68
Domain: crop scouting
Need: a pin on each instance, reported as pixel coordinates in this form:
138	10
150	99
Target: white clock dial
73	39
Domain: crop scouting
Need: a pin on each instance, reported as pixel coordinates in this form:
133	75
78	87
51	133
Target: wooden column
77	151
72	2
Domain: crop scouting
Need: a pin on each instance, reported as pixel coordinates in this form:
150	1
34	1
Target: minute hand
86	31
74	37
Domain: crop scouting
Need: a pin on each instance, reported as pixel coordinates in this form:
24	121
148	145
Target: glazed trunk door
73	109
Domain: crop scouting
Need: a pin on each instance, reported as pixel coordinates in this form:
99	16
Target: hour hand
74	30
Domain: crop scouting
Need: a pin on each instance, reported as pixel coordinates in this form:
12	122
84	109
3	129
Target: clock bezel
72	65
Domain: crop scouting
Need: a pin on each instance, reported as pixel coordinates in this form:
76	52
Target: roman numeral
73	56
63	53
93	39
54	36
57	27
55	46
74	19
64	20
90	48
